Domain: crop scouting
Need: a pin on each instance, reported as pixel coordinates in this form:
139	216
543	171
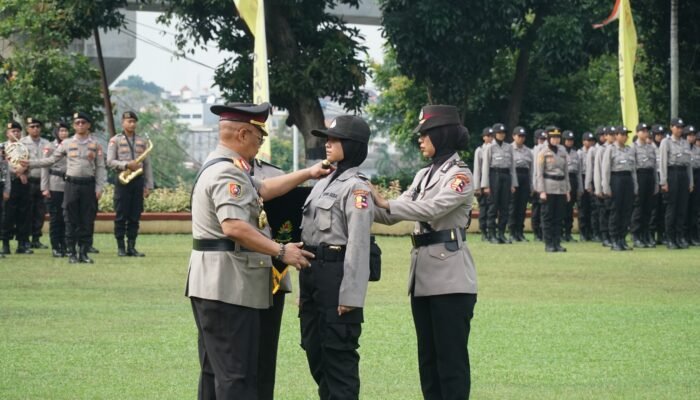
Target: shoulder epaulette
451	164
362	176
263	162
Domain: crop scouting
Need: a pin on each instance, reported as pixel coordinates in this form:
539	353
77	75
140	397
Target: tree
136	82
311	55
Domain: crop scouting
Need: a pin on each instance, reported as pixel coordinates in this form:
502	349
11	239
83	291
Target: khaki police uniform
648	183
693	229
523	160
589	187
53	181
483	200
536	215
619	184
36	209
675	170
552	178
498	175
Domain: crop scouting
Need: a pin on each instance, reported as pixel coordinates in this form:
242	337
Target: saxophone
128	175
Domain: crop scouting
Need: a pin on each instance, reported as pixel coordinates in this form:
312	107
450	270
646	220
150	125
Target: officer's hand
46	194
477	192
664	188
133	165
568	197
21	169
24	163
6	196
486	191
98	195
543	196
296	257
512	189
379	200
146	192
344	309
317	170
23	179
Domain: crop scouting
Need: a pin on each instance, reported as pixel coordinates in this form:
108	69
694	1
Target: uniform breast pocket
323	217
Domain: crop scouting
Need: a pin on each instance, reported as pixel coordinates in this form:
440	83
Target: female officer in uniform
442	282
552	183
337	218
52	187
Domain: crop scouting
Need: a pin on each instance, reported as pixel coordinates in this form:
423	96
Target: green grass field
587	324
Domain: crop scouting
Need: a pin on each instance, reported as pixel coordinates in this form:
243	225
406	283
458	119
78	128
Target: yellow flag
627	53
253	13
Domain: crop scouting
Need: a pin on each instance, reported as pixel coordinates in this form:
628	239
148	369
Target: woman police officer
442	282
337	218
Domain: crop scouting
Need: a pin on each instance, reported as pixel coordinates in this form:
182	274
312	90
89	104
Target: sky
165	70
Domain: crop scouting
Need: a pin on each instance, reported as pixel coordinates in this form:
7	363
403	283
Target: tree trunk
674	58
105	87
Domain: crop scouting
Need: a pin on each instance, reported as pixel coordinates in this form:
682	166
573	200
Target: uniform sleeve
539	175
8	180
112	159
477	168
596	170
100	170
383	216
566	174
606	164
232	193
513	175
588	185
690	176
359	210
57	155
579	176
485	167
44	184
663	163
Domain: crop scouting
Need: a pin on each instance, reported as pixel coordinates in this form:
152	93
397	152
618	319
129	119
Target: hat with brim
677	122
622	130
13	125
254	114
130	115
488	131
32	121
349	127
499	128
519	131
553	131
434	116
689	130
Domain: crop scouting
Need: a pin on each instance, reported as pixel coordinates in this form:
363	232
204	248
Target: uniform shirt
497	155
49	181
5	176
36	152
522	157
646	157
122	149
589	184
84	159
341	213
225	191
535	153
617	158
695	157
551	164
575	165
442	202
674	152
478	159
597	169
583	156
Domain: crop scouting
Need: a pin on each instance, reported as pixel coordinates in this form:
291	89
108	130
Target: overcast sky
162	68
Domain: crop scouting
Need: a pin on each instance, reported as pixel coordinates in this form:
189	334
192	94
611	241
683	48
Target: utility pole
674	58
105	86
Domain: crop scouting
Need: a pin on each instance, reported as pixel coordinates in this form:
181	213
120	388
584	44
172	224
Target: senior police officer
676	180
487	138
4	187
85	179
498	183
36	209
229	278
619	184
16	207
123	152
552	183
693	228
648	184
53	186
442	282
536	216
575	166
522	157
585	221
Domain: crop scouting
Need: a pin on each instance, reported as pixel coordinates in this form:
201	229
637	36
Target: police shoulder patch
460	182
235	190
361	198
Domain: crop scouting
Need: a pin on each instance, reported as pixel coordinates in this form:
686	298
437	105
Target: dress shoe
131	250
617	246
682	243
72	259
83	257
607	242
36	244
550	249
695	241
560	249
624	245
639	244
671	245
24	248
92	250
484	238
55	252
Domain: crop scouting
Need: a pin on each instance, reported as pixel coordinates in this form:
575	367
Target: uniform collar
348	173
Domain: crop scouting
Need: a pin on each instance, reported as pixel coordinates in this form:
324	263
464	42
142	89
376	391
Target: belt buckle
413	240
335	248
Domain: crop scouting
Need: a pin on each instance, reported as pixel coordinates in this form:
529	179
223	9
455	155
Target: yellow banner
627	55
253	13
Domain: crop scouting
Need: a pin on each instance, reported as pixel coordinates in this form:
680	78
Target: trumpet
126	176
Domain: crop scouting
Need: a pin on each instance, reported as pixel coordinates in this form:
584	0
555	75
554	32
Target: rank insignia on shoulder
361	198
459	183
235	190
243	164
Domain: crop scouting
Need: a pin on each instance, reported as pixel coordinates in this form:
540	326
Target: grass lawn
587	324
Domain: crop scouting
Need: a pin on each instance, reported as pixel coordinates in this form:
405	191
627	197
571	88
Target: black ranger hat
82	115
129	115
32	120
588	136
641	127
13	125
677	122
519	131
254	114
499	128
434	116
553	131
568	135
658	129
689	130
348	127
488	131
622	130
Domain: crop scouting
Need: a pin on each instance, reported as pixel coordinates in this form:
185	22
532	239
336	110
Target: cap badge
333	123
680	121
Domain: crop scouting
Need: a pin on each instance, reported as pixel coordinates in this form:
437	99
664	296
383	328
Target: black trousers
622	199
57	222
604	215
658	214
693	228
553	210
483	214
643	204
270	322
585	226
676	202
536	215
16	209
128	206
518	204
36	209
499	200
595	214
442	331
80	206
330	341
228	345
569	216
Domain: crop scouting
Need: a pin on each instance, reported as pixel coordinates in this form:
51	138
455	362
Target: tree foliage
136	82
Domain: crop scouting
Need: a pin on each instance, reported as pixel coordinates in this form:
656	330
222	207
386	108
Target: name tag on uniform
678	155
623	161
498	157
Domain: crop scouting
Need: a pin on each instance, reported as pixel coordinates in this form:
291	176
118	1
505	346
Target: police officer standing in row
676	180
536	217
648	184
123	152
85	179
487	138
522	158
585	220
36	210
589	184
604	202
5	187
16	207
498	183
552	184
53	186
658	213
619	185
575	182
693	228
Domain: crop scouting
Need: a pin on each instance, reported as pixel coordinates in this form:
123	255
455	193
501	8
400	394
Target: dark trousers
80	205
622	187
499	201
228	349
36	209
16	209
603	216
536	215
693	228
518	204
330	341
595	214
676	202
483	214
57	222
585	224
553	210
643	204
569	216
442	331
658	215
270	321
128	206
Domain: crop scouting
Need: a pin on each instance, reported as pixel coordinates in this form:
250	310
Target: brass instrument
128	175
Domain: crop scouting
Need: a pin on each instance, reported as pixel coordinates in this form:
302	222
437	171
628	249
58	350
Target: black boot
623	243
638	242
515	235
23	248
131	249
6	247
90	249
72	255
83	255
682	242
121	249
616	245
606	240
502	239
649	240
493	238
36	244
484	237
558	246
56	252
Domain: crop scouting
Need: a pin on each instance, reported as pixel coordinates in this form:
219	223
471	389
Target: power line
159	46
162	31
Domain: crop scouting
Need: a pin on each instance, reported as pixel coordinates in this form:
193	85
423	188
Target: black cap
622	130
254	114
434	116
348	127
642	126
129	115
13	125
609	130
61	124
540	134
568	135
553	131
499	128
32	120
677	122
588	136
658	129
519	131
689	130
488	131
82	115
599	131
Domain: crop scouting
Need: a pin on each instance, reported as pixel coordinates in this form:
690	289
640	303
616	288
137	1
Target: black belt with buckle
216	245
554	177
444	236
501	170
327	252
33	180
57	173
81	180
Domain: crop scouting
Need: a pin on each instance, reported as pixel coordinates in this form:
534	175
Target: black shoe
639	244
560	249
617	246
522	237
682	243
607	242
83	257
494	240
55	252
624	245
92	250
36	244
502	239
550	249
695	242
131	250
515	236
484	238
24	248
72	259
